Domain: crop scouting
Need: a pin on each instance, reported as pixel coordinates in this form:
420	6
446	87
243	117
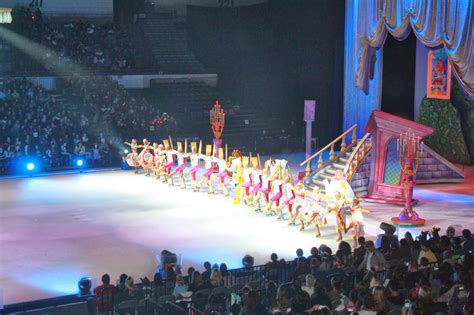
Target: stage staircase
345	153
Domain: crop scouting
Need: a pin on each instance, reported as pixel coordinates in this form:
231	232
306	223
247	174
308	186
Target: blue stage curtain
434	22
357	105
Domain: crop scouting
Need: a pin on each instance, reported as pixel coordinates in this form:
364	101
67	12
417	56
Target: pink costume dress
222	164
194	165
257	179
290	196
208	160
265	190
181	157
278	189
169	161
247	180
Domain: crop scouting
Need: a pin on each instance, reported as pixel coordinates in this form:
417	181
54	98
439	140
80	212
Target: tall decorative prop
410	150
309	114
217	120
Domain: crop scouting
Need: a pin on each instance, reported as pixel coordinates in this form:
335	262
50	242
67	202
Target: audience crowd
103	47
431	274
88	117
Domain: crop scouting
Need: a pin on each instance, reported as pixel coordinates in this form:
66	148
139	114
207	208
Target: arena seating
429	275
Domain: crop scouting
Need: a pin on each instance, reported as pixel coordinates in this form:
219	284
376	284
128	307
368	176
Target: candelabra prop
410	150
217	120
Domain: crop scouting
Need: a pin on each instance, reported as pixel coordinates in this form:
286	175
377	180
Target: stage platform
57	229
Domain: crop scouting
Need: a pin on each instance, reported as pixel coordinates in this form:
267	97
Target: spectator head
424	262
361	241
413	267
336	284
409	237
345	247
235	309
403	242
314	264
179	279
274	257
223	268
123	278
299	252
207	266
450	231
314	251
196	278
106	279
190	271
309	280
466	233
369	246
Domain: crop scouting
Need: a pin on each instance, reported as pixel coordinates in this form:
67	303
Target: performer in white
168	162
247	178
317	213
339	184
208	164
181	158
299	203
195	157
223	171
357	220
132	157
257	183
290	195
145	157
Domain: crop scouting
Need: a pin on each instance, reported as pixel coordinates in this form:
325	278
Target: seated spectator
104	295
197	282
180	286
214	305
309	284
207	271
223	270
394	298
133	292
426	253
216	279
379	299
373	259
320	297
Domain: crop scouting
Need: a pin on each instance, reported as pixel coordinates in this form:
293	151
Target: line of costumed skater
269	189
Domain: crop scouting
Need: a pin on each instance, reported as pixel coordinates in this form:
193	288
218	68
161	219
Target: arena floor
56	229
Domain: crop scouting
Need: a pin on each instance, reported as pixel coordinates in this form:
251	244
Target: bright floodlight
80	162
125	151
30	166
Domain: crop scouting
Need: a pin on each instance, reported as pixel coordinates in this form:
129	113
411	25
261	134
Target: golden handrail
361	148
331	144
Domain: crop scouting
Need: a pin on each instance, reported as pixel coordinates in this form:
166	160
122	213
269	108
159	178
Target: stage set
59	228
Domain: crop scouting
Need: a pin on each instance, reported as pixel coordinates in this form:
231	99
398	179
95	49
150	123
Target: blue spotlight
79	162
125	151
30	166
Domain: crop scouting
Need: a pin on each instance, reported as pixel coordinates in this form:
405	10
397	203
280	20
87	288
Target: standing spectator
104	295
468	245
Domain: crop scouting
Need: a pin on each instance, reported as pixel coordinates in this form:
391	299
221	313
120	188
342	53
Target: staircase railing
332	156
358	156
